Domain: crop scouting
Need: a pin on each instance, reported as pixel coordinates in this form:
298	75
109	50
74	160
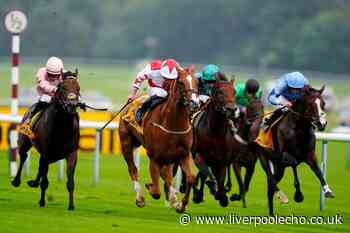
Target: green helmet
209	72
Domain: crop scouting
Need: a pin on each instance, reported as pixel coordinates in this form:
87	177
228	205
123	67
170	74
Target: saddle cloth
129	116
26	127
265	138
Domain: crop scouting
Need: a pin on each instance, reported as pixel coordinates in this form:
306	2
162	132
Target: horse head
312	106
68	92
223	95
185	88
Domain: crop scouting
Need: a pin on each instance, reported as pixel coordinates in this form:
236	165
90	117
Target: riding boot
148	105
41	105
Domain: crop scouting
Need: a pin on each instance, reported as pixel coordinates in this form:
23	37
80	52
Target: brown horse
167	138
213	137
294	135
56	136
248	125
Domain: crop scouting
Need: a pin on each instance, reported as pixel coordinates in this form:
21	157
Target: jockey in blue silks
289	88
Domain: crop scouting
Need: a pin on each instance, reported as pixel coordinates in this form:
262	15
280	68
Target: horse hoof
182	189
15	183
224	201
235	197
155	196
141	202
212	185
180	208
71	208
197	198
329	194
42	203
33	184
282	197
298	197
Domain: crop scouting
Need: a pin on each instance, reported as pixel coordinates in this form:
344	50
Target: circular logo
185	219
16	22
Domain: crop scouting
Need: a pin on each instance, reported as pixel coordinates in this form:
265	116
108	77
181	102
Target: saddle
26	127
129	116
265	137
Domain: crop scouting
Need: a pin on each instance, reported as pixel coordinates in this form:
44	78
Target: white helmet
168	69
54	65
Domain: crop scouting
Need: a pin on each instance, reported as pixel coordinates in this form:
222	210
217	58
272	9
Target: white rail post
60	170
97	157
27	164
137	158
324	163
178	179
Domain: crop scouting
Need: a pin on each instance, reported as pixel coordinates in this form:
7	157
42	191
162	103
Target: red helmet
168	69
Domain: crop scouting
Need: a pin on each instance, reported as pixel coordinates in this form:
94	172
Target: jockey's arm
45	85
275	97
136	84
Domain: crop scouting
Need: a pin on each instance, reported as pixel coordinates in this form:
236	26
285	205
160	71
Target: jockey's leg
149	104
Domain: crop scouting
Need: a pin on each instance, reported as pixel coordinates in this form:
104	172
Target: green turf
110	206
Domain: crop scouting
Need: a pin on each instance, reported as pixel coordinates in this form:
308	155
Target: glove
82	106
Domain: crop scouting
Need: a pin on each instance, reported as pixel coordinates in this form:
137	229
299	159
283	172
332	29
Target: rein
172	131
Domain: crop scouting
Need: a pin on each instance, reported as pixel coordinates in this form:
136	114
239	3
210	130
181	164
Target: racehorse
213	137
167	138
248	126
294	135
56	136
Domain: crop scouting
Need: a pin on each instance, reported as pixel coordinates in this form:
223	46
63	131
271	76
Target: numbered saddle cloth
265	138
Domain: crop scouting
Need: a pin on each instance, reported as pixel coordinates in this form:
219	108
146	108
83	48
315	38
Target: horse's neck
217	121
174	116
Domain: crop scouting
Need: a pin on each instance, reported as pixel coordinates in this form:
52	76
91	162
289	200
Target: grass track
110	206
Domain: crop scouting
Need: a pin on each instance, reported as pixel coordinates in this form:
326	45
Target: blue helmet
295	80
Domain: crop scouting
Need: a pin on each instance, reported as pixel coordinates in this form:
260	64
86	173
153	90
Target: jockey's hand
289	104
131	98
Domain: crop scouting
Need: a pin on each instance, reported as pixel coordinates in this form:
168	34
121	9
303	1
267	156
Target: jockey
155	73
290	87
48	78
206	79
246	91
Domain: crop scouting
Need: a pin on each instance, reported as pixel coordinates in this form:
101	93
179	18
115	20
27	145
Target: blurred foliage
298	34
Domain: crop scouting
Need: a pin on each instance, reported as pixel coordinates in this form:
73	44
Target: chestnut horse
294	135
213	137
248	125
167	138
56	136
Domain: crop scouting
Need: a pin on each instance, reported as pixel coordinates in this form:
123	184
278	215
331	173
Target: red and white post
14	102
15	23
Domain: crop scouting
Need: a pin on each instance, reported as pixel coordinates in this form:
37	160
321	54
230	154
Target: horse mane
221	77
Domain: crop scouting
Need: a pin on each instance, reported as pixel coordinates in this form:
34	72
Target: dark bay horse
294	135
56	136
248	126
167	138
213	137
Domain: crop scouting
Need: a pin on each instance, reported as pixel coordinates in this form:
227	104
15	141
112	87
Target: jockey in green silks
245	91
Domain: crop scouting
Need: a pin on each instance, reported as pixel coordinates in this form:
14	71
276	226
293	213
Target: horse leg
186	165
248	175
169	190
241	196
312	162
298	195
228	185
198	193
220	173
153	187
271	183
35	183
44	183
24	145
71	164
279	169
127	151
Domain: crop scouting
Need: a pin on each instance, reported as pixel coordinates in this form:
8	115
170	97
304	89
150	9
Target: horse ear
191	69
322	89
62	74
233	79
